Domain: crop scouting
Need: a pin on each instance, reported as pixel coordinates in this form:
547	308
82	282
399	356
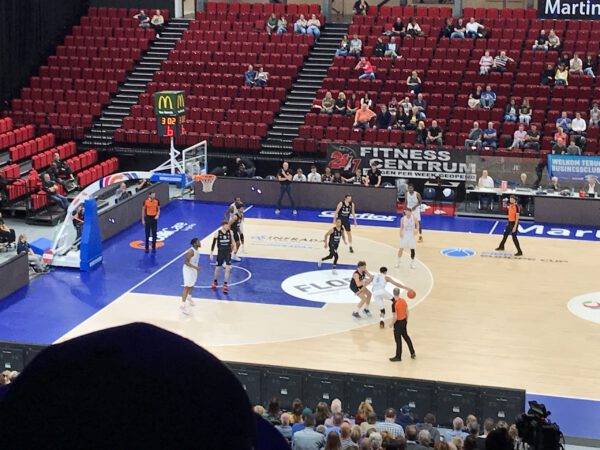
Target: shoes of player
319	263
519	254
420	238
184	309
214	285
368	313
277	211
395	359
500	249
413	356
381	324
225	289
412	264
190	301
351	249
333	272
236	258
295	212
356	315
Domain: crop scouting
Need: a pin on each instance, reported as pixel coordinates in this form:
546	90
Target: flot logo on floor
321	286
163	234
362	216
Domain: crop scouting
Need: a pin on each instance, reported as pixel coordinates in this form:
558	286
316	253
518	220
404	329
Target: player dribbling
225	244
332	240
190	275
380	280
408	233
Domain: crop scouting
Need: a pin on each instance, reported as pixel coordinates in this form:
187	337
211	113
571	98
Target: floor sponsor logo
458	252
163	234
510	255
544	230
362	216
586	306
286	241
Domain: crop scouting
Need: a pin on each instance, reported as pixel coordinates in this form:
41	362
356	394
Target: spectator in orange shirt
362	117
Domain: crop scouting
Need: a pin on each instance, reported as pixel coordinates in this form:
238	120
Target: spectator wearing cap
308	438
389	424
429	425
411	438
300	425
285	428
457	430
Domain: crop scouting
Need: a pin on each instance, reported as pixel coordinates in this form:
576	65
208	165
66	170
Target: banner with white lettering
398	162
569	9
576	168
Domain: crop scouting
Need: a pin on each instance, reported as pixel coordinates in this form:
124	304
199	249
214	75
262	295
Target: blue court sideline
55	303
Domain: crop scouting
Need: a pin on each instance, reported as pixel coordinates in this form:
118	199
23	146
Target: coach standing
284	176
400	323
150	214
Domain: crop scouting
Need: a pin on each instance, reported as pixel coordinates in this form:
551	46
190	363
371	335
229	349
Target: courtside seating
450	72
77	81
209	65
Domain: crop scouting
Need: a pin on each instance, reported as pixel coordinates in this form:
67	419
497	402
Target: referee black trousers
509	230
400	332
151	229
333	253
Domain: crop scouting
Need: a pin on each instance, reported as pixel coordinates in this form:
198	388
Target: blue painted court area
55	303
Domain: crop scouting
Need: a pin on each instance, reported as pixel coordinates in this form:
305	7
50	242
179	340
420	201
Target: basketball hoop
207	181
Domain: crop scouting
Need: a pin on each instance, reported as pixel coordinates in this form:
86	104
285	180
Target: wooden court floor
484	319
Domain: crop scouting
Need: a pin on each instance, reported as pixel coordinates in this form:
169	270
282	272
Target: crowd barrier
14	273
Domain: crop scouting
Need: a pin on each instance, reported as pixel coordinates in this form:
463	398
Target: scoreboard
169	107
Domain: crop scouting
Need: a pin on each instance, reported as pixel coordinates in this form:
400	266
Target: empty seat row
88	176
83	160
58	95
93	63
10	172
29	148
143	34
16	136
122	12
89	84
99	52
6	124
50	106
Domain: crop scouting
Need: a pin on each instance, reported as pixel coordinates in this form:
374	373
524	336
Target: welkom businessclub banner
398	162
569	9
575	168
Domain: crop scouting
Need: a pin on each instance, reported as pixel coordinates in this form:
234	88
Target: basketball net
207	180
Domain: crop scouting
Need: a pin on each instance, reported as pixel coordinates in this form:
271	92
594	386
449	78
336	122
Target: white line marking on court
493	227
248	276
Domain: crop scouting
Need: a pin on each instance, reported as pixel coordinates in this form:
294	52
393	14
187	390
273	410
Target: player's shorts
236	236
380	297
408	242
189	276
417	213
223	258
346	224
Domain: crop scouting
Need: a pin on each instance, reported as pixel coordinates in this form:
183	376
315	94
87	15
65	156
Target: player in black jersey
225	244
344	210
235	224
361	278
332	240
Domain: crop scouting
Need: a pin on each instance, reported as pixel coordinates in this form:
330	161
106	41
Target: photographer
244	168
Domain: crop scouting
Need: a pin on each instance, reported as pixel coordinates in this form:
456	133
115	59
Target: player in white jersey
232	210
408	233
413	202
378	285
190	274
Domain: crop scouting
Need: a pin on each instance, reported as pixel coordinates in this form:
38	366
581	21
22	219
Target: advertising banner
569	9
576	168
399	162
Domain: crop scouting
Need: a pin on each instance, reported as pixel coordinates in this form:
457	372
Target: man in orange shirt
150	213
400	308
362	117
512	227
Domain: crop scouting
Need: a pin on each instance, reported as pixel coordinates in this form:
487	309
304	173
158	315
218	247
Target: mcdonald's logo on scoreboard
169	103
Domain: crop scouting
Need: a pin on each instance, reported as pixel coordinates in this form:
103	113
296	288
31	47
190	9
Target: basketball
411	294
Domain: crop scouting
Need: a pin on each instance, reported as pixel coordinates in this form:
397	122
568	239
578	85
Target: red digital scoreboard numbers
169	107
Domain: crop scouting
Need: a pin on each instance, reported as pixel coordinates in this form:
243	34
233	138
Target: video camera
537	431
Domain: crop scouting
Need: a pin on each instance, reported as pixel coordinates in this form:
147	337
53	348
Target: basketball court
479	317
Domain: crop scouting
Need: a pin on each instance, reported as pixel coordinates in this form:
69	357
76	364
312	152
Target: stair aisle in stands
304	90
101	134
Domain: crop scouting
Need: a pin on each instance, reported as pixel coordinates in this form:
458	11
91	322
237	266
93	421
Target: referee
512	227
150	214
400	308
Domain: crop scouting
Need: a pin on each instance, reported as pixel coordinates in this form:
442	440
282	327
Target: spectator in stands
336	407
448	27
313	175
3	191
485	200
458	30
300	25
344	47
7	234
578	128
510	112
474	139
564	59
363	117
367	68
51	188
591	185
369	423
573	148
488	426
78	219
337	178
364	409
532	140
413	119
356	178
341	104
424	439
421	133
285	428
366	100
355	46
576	65
245	166
554	185
402	120
499	439
397	28
327	103
490	137
361	8
122	193
157	22
333	441
60	170
561	76
559	147
519	137
421	104
373	176
34	260
335	421
457	430
488	98
525	112
473	28
434	134
589	66
313	26
406	105
384	119
353	104
250	76
472	424
485	63
299	176
391	48
500	62
411	438
282	25
474	101
564	121
428	424
547	76
594	115
553	41
376	441
389	424
273	411
345	436
262	77
413	28
271	24
299	424
379	49
559	134
308	438
414	84
541	42
143	19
